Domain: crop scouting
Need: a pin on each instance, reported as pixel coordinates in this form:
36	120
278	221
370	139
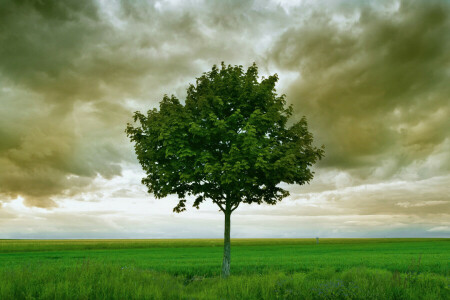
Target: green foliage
188	269
230	142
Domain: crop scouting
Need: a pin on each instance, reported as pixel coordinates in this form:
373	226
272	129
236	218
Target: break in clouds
372	80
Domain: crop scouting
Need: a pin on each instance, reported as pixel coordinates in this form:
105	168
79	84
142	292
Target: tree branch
237	205
220	206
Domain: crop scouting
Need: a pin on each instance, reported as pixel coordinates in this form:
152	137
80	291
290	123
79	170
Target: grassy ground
261	268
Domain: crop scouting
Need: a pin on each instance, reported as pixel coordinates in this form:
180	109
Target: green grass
261	269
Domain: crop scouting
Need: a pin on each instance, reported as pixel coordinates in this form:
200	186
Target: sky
371	77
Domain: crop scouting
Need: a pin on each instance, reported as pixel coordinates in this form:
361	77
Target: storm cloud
374	83
72	73
371	78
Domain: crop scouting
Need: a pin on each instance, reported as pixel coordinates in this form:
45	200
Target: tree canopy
230	141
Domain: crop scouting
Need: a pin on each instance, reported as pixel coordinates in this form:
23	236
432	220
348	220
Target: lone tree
230	143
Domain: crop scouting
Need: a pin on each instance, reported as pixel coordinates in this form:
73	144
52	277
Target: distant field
261	269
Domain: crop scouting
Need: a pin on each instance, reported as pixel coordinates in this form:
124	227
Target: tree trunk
227	245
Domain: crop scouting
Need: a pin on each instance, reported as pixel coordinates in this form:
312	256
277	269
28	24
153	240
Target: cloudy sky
372	78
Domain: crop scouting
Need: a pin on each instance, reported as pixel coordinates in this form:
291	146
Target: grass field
261	269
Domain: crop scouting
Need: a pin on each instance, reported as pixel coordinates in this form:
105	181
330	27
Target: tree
229	143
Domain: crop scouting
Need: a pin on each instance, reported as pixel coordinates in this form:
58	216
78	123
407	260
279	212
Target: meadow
190	269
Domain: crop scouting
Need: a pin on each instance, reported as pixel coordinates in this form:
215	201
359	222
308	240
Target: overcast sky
372	78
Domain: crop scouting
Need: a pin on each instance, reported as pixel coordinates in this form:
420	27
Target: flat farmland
190	269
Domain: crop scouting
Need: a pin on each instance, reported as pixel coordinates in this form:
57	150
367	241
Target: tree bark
227	244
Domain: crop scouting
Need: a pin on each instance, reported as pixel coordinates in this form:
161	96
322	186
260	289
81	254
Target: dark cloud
74	71
41	39
47	154
374	82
